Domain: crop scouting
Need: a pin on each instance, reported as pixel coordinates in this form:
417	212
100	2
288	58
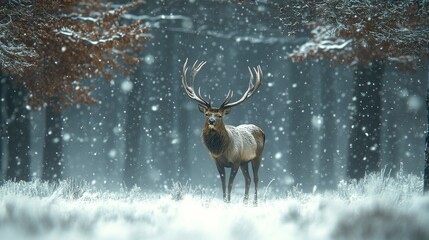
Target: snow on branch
16	57
86	40
334	44
324	40
77	36
155	18
90	19
74	36
360	30
6	23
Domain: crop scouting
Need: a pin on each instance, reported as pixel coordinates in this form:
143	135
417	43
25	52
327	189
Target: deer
229	146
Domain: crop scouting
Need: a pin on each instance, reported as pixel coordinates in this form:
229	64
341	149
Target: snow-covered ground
379	207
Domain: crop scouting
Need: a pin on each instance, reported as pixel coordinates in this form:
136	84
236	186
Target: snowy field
379	207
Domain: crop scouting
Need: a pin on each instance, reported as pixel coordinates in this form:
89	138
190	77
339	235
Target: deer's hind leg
255	167
245	169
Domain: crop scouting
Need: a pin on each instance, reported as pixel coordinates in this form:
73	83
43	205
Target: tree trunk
364	141
133	125
163	118
18	131
2	129
110	152
182	126
328	141
426	170
300	162
52	165
392	146
183	161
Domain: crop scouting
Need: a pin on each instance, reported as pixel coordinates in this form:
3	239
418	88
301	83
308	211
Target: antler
250	90
189	89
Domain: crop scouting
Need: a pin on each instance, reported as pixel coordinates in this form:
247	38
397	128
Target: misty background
305	109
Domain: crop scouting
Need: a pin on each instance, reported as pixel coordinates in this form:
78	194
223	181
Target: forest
93	111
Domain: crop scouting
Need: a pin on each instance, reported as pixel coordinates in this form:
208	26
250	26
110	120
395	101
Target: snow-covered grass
378	207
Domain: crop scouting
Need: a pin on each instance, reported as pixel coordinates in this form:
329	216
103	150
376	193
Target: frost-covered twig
266	189
77	36
178	190
6	23
155	18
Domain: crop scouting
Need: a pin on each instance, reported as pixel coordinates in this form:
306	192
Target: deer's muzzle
212	120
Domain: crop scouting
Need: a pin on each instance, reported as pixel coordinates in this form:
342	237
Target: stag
229	146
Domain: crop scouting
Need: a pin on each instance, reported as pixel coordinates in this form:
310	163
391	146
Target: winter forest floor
378	207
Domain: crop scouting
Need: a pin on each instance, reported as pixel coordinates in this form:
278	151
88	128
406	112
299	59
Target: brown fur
229	146
216	141
228	152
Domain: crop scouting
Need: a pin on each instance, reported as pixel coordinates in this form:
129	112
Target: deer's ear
202	108
227	110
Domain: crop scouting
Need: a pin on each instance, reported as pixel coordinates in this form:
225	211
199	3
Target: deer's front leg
221	171
234	170
245	169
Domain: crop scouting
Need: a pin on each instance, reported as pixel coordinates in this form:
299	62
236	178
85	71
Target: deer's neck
216	139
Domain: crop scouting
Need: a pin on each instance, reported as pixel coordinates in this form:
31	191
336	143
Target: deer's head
214	115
